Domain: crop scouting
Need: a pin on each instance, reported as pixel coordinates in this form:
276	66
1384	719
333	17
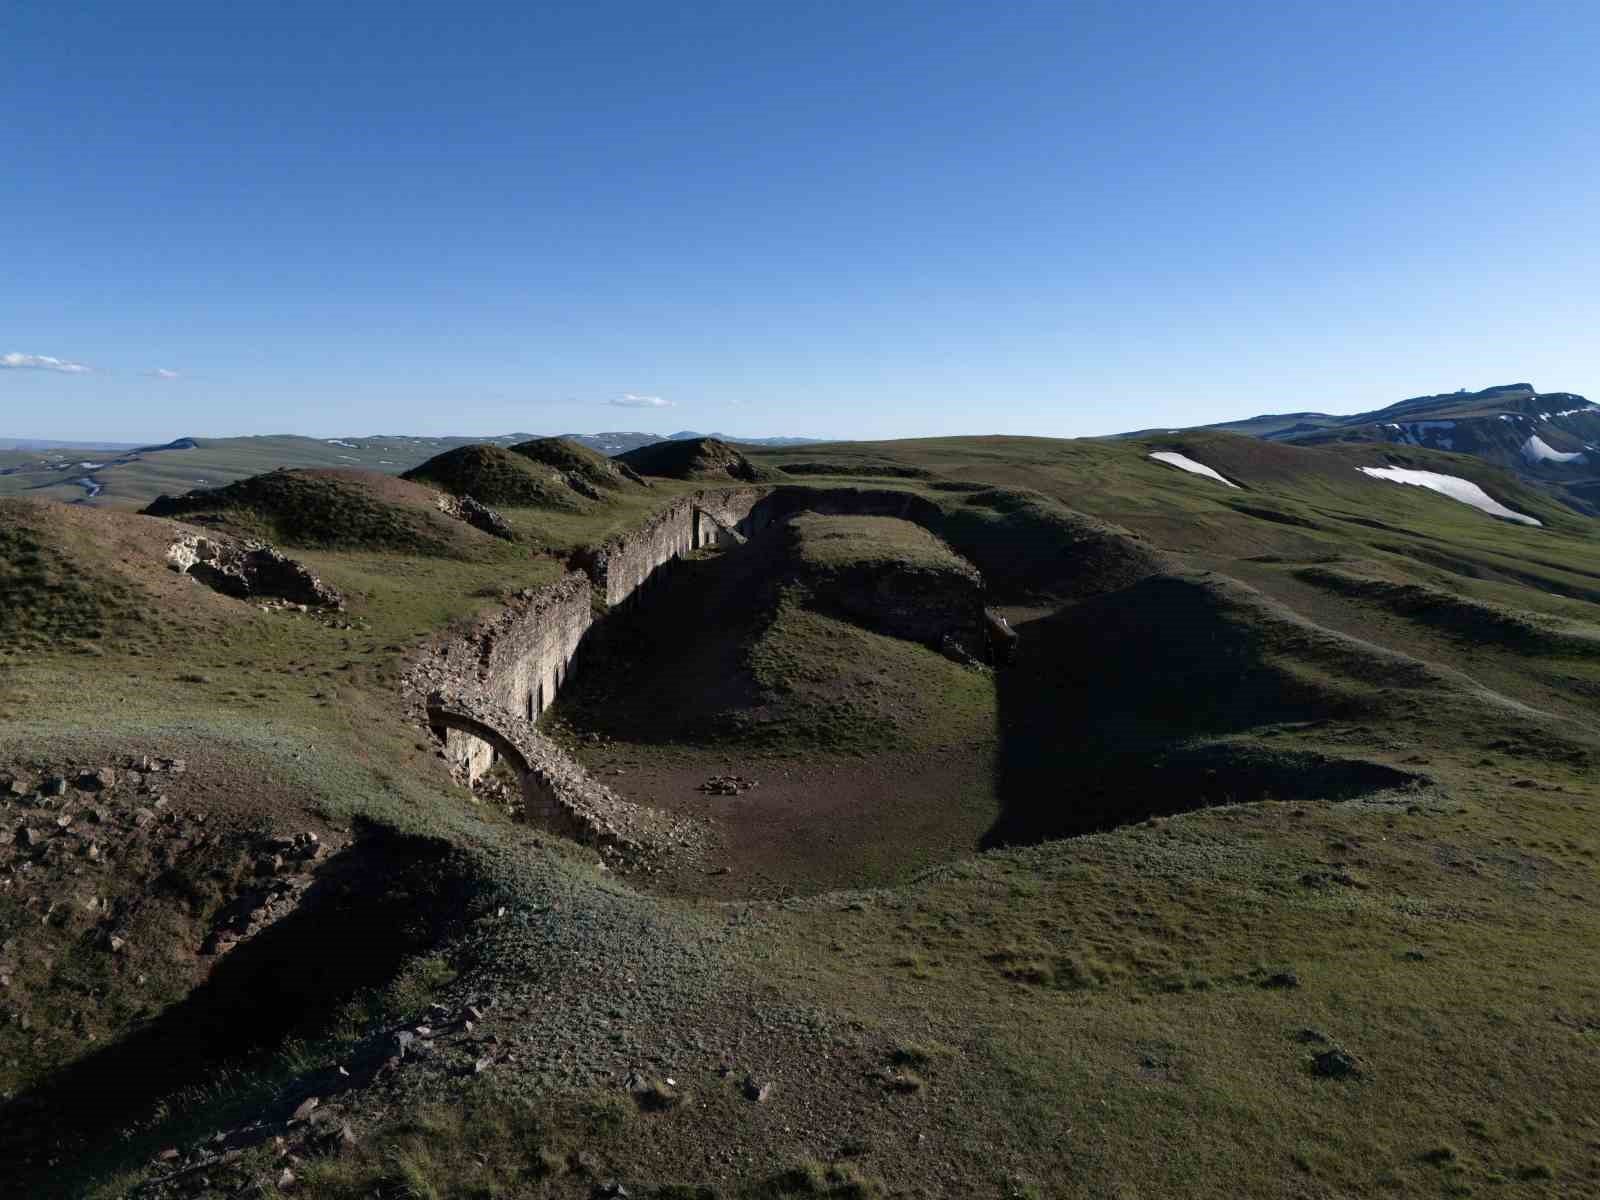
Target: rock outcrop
249	571
479	516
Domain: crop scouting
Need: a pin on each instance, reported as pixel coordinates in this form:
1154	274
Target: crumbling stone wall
625	563
519	659
557	792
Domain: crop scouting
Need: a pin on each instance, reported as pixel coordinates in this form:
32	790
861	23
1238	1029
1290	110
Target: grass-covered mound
50	597
696	458
578	465
497	477
891	576
1026	544
841	543
1135	703
794	661
1472	621
328	509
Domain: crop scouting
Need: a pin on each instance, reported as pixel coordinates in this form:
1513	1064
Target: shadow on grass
1110	714
372	906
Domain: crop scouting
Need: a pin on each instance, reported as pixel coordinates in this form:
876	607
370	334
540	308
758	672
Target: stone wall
519	659
625	563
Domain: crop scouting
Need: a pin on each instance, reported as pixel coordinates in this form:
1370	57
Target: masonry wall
624	564
521	659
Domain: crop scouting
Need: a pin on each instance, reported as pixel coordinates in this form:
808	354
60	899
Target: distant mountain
1552	438
687	435
130	476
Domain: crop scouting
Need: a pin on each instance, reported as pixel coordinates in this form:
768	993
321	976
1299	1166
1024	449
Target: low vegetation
695	458
1266	868
495	476
843	543
334	510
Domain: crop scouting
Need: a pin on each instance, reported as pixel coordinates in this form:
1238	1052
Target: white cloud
629	400
42	362
163	373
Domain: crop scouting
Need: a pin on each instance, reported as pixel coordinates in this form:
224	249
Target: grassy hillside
496	477
1267	868
694	458
329	509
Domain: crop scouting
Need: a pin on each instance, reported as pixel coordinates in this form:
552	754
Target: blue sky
861	220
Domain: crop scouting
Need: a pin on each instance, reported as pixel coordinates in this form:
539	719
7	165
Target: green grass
340	510
497	477
571	458
696	458
1087	1016
52	601
832	685
840	543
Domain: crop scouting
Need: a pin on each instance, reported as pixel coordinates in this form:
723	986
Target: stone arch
443	716
485	722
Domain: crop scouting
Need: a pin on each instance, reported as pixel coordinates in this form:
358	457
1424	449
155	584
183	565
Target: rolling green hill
1265	866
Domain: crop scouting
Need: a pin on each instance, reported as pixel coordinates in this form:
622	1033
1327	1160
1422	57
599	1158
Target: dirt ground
811	825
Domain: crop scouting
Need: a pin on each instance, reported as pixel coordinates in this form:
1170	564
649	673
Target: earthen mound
496	476
586	471
328	509
696	458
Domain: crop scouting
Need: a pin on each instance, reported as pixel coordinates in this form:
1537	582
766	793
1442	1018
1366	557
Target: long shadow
668	665
1106	713
371	906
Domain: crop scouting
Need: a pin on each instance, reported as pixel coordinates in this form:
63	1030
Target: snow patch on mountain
1452	486
1184	463
1537	450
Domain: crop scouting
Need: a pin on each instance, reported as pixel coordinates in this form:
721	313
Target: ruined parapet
622	563
249	571
518	658
557	792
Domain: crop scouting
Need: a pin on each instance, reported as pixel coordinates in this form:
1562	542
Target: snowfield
1537	450
1453	486
1188	464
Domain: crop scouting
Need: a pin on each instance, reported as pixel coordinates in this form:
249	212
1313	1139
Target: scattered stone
476	514
286	1178
307	1107
98	780
726	785
1335	1063
54	786
170	1154
483	1064
757	1091
611	1188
